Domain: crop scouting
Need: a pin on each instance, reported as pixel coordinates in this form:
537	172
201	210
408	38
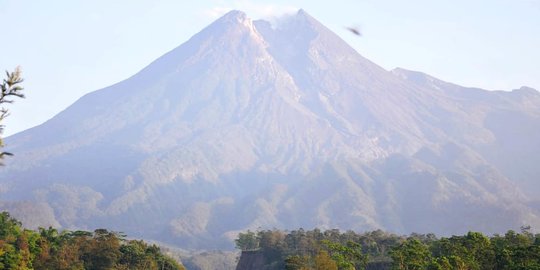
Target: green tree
517	251
480	251
10	87
134	255
348	256
137	255
247	241
411	255
441	263
297	262
23	249
272	243
102	251
17	246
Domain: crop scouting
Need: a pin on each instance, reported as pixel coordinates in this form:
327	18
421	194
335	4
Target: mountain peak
303	18
303	14
248	125
234	16
231	19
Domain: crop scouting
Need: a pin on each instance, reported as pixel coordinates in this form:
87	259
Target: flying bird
354	30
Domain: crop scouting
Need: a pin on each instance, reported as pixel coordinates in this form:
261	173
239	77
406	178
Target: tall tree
10	87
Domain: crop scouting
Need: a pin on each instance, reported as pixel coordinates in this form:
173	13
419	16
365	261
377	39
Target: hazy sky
68	48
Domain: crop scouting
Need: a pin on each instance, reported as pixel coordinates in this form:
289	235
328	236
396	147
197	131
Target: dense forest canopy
332	249
99	250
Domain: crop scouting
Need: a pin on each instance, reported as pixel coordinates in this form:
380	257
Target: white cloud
254	10
216	12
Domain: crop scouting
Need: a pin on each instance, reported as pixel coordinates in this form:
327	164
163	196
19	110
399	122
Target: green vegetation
10	87
333	249
99	250
24	249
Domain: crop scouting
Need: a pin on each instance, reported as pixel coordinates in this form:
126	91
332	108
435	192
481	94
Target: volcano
251	125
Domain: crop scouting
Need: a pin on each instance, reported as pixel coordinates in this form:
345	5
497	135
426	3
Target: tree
411	255
17	245
102	251
10	87
324	262
348	256
297	262
24	249
247	241
272	243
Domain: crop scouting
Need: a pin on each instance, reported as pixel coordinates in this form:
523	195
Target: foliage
10	87
247	241
411	255
69	250
316	249
324	262
348	256
332	249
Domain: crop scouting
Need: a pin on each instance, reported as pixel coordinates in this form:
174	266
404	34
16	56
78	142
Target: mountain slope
509	122
247	125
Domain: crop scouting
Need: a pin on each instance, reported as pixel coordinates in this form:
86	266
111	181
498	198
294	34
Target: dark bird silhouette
354	30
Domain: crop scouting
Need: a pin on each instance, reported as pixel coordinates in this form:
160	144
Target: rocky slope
247	126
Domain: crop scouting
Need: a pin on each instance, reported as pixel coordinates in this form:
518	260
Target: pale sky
68	48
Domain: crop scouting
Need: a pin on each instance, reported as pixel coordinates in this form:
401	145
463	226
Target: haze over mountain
249	125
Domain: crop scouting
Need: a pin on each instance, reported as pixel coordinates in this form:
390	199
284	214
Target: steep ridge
501	126
249	125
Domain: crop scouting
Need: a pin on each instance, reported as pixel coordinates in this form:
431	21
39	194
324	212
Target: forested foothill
333	249
99	250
